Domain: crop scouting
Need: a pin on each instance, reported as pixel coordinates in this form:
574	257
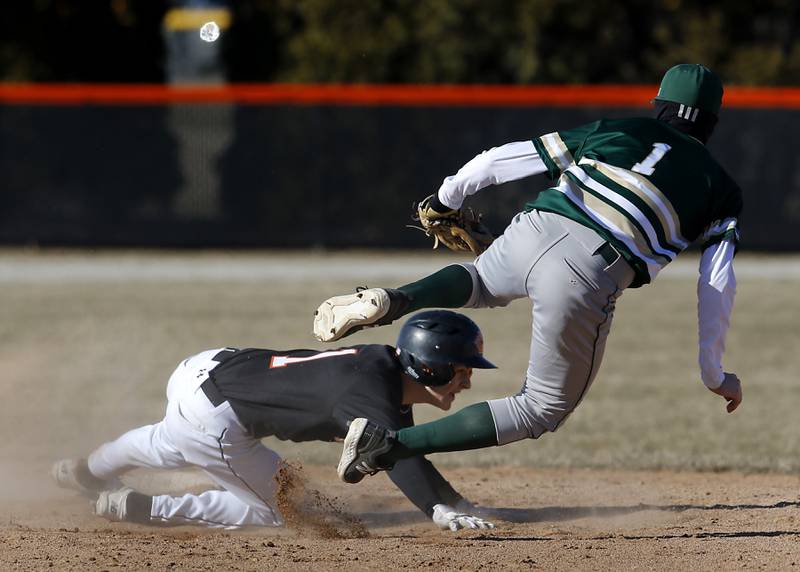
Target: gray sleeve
424	486
420	481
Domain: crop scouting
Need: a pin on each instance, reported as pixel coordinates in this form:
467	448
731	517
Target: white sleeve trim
716	290
498	165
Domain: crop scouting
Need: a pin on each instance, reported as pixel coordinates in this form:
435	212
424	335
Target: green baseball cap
694	86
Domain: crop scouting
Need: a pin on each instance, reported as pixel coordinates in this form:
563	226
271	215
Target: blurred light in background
192	61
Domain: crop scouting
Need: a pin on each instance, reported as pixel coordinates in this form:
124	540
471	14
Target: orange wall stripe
378	95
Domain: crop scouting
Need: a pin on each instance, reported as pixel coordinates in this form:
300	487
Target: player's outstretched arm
716	291
730	390
498	165
425	486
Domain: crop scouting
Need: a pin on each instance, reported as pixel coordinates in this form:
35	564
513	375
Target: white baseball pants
195	433
555	262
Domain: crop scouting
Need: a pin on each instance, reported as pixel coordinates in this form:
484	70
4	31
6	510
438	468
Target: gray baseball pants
573	277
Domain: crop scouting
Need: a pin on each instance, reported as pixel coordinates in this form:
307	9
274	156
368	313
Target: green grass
86	360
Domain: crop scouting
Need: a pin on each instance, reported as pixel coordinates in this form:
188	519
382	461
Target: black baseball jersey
305	395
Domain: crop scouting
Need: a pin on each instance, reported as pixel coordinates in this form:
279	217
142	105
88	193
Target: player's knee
263	516
515	420
481	297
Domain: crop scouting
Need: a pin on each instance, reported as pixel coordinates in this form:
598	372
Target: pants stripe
235	474
594	356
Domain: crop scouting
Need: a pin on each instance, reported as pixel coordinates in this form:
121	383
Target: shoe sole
56	471
350	451
100	507
63	474
336	317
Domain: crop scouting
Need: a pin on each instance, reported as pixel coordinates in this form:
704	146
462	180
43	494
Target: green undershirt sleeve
471	428
450	287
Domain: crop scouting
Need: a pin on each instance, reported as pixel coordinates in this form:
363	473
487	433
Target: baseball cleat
341	316
74	474
124	505
364	443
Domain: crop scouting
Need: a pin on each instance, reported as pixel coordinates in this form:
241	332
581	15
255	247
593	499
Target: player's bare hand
731	391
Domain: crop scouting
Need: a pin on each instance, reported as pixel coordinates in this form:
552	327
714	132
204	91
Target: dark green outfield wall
204	175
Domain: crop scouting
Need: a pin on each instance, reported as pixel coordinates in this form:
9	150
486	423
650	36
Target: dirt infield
546	520
89	340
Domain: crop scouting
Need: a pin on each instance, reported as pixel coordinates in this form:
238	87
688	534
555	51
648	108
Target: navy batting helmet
431	344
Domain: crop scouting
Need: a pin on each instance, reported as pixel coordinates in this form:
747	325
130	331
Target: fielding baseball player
629	196
222	401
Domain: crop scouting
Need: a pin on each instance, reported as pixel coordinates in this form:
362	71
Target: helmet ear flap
430	375
441	374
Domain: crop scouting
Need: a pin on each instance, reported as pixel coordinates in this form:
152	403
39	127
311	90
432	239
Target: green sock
470	428
450	287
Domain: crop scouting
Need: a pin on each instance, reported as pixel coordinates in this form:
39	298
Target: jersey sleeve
496	166
716	290
558	149
725	217
719	230
419	480
422	484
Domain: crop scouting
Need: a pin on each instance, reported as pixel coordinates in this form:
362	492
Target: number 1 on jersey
283	361
648	165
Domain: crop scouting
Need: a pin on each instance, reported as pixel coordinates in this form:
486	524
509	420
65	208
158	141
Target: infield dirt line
20	268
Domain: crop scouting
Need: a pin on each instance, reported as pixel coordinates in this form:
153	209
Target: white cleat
342	315
113	505
124	504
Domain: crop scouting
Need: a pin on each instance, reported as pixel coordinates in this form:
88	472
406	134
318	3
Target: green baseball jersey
644	186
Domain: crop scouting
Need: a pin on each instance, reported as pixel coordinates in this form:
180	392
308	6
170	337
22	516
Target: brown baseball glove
459	229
